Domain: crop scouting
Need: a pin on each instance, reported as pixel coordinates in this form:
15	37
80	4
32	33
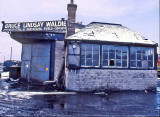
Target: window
114	56
90	55
73	56
141	57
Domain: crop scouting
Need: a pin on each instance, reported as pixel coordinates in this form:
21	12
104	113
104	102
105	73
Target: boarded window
73	56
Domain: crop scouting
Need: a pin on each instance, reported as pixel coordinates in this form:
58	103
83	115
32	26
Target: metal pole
11	54
4	58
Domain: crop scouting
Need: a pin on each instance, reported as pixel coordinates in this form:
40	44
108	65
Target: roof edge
113	42
106	23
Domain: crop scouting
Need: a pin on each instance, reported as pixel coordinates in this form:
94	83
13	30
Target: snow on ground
19	100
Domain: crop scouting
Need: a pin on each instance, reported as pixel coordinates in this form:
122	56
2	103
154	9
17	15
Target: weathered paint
105	79
35	61
26	60
30	37
52	60
59	57
40	61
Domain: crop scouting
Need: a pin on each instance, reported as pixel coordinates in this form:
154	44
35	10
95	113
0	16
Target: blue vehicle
7	64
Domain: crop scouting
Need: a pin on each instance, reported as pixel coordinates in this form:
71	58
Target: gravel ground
18	100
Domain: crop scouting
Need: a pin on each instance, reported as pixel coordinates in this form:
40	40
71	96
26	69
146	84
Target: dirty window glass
114	56
73	59
141	57
90	55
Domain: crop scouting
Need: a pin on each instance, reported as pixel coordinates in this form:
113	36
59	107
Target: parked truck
13	67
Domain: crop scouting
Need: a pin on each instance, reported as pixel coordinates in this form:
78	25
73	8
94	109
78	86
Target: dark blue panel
38	36
52	60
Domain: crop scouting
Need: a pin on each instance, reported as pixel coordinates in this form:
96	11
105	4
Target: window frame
154	47
99	62
115	59
136	60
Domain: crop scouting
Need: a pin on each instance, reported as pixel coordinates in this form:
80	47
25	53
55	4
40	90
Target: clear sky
141	16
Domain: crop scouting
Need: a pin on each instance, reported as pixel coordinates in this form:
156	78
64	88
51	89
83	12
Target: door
26	61
40	61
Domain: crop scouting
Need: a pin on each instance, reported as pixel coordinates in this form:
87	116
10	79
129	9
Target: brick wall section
59	54
100	79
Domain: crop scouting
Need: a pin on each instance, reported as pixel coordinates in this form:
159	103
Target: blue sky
141	16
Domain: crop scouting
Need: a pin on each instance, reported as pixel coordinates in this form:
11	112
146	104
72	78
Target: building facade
106	56
100	56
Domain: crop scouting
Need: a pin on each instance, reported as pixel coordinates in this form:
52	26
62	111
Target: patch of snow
158	89
14	80
4	75
109	33
30	93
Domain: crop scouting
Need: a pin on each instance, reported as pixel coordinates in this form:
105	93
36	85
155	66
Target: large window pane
118	63
139	64
142	56
124	63
133	53
133	63
124	56
105	62
88	62
88	47
82	61
150	63
90	55
95	62
118	54
105	56
138	56
112	56
150	57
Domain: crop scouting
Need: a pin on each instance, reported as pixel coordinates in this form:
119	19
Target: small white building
105	56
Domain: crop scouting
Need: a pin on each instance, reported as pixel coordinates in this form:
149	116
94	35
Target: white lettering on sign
55	26
13	26
56	23
33	24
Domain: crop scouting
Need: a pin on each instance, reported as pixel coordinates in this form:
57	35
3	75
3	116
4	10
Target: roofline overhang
113	42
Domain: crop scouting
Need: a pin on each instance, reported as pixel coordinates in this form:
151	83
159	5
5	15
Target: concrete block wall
101	79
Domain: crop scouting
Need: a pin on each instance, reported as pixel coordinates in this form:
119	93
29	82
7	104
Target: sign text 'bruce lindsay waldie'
59	26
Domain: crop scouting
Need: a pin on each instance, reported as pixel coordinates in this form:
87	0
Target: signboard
59	26
37	36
